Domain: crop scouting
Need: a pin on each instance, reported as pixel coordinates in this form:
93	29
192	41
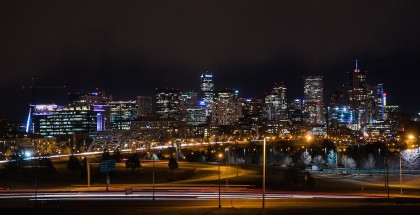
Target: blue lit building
53	120
342	115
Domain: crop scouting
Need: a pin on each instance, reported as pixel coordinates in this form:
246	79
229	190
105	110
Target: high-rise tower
357	88
314	100
207	87
358	96
276	103
167	103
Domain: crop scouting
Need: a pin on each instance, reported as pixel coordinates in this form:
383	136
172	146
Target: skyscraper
357	88
376	103
276	103
358	95
167	103
226	110
314	100
207	87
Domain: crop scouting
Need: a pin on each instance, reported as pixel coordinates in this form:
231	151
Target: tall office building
314	100
357	88
144	106
376	103
358	96
121	114
253	113
226	110
295	110
276	103
207	87
193	112
167	103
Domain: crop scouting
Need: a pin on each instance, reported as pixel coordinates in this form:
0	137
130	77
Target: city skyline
128	50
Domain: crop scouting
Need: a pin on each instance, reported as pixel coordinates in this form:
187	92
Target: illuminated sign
98	108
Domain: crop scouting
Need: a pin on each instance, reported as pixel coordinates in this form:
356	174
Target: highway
194	202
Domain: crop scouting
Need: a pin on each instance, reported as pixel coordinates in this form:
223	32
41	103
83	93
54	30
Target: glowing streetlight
227	160
264	159
411	137
308	138
218	164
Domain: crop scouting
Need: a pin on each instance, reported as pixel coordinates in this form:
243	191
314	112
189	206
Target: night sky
128	48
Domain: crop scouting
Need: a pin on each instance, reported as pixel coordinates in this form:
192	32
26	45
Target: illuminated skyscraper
167	103
314	100
358	96
295	111
276	103
357	88
226	110
207	88
192	111
376	103
253	113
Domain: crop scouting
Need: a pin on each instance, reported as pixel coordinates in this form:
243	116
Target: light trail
171	196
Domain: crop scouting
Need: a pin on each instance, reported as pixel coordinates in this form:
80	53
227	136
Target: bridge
132	140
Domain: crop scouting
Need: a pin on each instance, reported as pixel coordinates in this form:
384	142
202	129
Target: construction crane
34	87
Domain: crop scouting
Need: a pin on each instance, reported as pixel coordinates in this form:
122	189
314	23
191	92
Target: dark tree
46	164
73	164
106	155
116	156
133	162
173	164
15	161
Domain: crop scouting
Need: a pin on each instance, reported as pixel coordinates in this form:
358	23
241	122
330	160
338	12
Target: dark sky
128	48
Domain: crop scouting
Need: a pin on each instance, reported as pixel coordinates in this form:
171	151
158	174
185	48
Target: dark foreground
208	207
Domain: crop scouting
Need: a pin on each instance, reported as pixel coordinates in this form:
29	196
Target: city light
167	99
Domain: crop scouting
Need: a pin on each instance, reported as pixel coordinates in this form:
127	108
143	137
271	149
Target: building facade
314	100
167	103
144	106
53	120
121	114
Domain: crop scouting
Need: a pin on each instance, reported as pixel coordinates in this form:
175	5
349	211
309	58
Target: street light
227	159
218	164
264	161
401	191
153	177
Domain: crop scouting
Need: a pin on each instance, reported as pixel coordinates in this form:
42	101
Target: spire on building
357	66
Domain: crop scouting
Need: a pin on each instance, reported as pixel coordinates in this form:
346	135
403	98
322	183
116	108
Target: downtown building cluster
356	112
